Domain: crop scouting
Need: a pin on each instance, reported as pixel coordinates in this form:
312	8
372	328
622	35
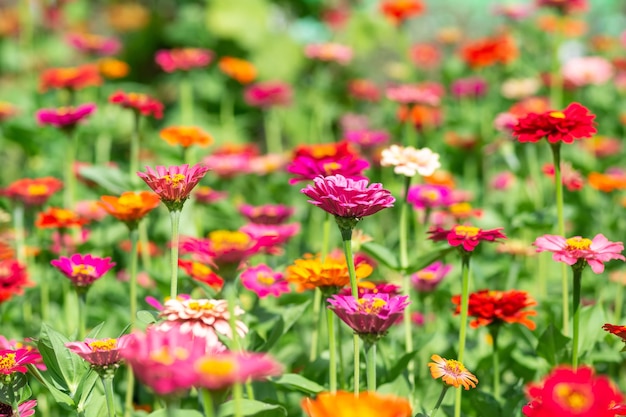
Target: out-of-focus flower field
312	208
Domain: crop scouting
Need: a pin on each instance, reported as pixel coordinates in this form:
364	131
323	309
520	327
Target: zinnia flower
365	90
366	138
409	161
575	122
202	273
266	214
268	94
578	250
239	70
103	354
15	360
564	6
427	279
58	218
25	409
371	315
72	78
185	136
65	117
400	10
486	52
428	196
93	44
32	192
451	372
83	270
587	70
183	59
330	52
470	87
13	279
427	93
311	161
495	307
130	207
141	103
207	195
262	280
279	234
173	184
310	272
367	404
223	370
572	392
465	236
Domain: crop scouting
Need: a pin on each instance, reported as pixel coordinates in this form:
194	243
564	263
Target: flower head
572	392
367	404
366	138
363	89
223	370
398	11
575	122
240	70
329	52
427	279
581	251
310	272
423	196
619	331
495	307
589	70
268	94
465	236
266	214
264	281
485	52
102	354
428	93
471	87
138	102
564	7
183	59
65	117
185	136
452	372
58	218
112	68
409	161
15	360
25	409
130	207
93	44
71	78
370	315
83	270
32	192
311	161
202	273
173	184
207	195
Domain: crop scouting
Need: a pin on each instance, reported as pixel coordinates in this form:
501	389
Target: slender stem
357	364
332	350
444	390
70	180
81	296
207	403
347	251
175	220
494	329
465	259
341	376
18	224
249	390
272	131
130	378
325	237
406	284
107	382
578	273
317	306
237	397
134	149
556	154
619	299
186	101
371	366
231	298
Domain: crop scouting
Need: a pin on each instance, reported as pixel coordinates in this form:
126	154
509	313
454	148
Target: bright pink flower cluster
427	279
330	52
309	162
264	281
268	94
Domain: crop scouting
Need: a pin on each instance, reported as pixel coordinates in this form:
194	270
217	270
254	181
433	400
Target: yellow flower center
199	269
577	243
37	189
103	345
557	114
167	356
571	397
460	209
7	361
430	195
454	367
224	239
83	270
201	305
265	279
322	151
331	167
216	366
371	305
130	201
426	275
62	214
174	180
466	231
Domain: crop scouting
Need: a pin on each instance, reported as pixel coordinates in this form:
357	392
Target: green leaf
70	365
93	333
175	413
47	381
428	258
591	321
111	179
96	405
146	317
289	316
399	367
551	344
382	254
253	408
299	383
484	404
85	387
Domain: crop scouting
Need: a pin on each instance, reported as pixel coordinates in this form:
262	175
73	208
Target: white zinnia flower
409	161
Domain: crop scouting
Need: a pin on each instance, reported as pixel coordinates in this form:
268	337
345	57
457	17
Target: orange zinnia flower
113	68
368	404
452	372
495	307
186	136
489	51
58	218
73	78
239	70
310	272
570	27
400	10
130	207
608	182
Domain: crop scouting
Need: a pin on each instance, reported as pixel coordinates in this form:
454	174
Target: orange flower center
174	180
216	366
223	240
167	356
322	151
83	269
199	269
130	201
201	305
37	189
103	345
331	167
371	305
557	114
265	279
577	243
426	275
7	361
574	398
62	214
430	195
466	231
460	209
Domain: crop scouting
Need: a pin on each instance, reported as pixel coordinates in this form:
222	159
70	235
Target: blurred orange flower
127	17
238	69
608	182
367	404
568	26
130	207
73	78
500	49
112	68
58	218
400	10
186	136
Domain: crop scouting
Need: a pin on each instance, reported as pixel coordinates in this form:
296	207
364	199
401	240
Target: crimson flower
575	122
12	361
578	250
173	184
619	331
140	103
494	307
465	236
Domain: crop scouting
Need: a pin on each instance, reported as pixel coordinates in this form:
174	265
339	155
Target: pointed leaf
253	408
299	383
111	179
428	258
551	344
70	365
382	254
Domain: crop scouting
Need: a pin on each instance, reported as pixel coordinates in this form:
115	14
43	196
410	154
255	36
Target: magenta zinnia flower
83	270
173	184
465	236
347	198
15	360
427	279
578	250
268	94
266	214
279	233
65	117
369	316
221	371
424	196
263	281
100	353
183	59
25	409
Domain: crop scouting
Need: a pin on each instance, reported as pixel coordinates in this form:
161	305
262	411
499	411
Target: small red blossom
494	307
142	103
619	331
32	192
13	279
465	236
400	10
575	122
58	218
71	78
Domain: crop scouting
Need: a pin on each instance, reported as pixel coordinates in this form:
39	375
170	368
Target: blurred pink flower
423	196
515	12
183	59
427	279
571	179
278	233
266	214
366	138
221	371
504	122
578	250
173	184
100	353
91	210
330	52
143	278
429	93
94	44
69	242
207	195
502	181
65	117
262	280
364	89
268	94
587	70
83	270
470	87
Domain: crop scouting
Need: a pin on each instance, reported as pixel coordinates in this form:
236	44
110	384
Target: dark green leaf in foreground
551	344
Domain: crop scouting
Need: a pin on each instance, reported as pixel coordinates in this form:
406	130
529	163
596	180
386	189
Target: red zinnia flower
490	51
400	10
73	78
13	279
32	192
575	122
494	307
183	59
466	236
202	273
141	103
58	218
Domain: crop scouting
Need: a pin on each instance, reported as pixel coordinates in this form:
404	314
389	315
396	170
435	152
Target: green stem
578	273
444	390
231	298
207	403
347	251
535	172
134	149
332	350
103	148
186	101
371	366
619	300
357	364
406	284
494	329
107	382
44	294
70	179
556	154
18	224
175	220
134	258
81	296
237	398
273	138
465	259
317	306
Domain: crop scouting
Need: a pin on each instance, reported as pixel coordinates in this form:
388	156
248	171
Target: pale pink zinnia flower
428	196
221	371
264	281
83	270
587	70
366	138
347	198
425	93
100	353
330	52
427	279
577	249
409	161
372	315
173	184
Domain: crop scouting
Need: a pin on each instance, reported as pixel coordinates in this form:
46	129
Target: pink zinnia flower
427	279
424	93
268	94
570	178
221	371
424	196
505	122
264	281
83	270
578	250
330	52
173	184
465	236
471	87
207	195
502	181
65	117
266	214
366	138
15	360
347	198
368	287
138	102
164	360
100	353
94	44
311	161
183	59
587	70
409	161
372	315
25	409
279	234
